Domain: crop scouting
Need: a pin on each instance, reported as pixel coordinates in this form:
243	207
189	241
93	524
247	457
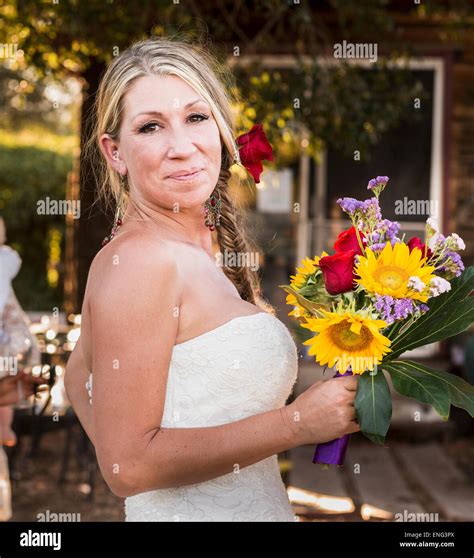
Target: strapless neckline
222	326
225	325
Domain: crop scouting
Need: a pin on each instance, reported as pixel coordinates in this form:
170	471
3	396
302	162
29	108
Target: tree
73	38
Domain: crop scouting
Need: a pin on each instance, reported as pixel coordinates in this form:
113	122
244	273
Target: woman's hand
325	411
13	386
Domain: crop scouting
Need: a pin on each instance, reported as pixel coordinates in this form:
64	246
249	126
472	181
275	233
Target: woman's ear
111	151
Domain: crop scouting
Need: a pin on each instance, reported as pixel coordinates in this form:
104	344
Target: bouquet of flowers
374	299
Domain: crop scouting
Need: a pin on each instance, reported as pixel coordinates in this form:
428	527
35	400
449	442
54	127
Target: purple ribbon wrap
333	452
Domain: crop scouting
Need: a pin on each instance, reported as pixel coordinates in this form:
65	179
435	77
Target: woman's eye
201	116
146	128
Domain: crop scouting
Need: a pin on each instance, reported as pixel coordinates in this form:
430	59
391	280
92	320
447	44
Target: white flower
433	241
432	223
456	241
415	283
438	285
432	232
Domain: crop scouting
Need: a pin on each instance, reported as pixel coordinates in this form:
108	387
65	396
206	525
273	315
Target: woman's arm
192	455
75	378
134	327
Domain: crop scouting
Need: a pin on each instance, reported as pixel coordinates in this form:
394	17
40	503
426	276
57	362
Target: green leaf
308	290
304	302
414	382
373	404
408	375
450	313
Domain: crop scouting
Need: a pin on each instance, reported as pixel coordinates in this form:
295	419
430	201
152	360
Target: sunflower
308	267
388	272
346	339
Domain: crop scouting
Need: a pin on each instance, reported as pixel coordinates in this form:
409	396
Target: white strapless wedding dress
244	367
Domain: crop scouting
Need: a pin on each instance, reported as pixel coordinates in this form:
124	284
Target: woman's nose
180	144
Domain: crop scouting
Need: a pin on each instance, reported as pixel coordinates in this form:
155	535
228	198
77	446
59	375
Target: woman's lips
187	177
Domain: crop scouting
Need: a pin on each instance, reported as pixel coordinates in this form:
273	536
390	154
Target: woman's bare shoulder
132	257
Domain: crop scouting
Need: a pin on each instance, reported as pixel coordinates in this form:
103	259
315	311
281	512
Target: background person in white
12	384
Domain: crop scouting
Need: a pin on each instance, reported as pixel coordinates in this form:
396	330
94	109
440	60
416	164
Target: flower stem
359	240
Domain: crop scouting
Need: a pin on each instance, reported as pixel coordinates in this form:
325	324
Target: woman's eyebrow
157	113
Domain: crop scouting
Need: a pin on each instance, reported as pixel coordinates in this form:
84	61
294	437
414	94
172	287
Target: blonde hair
201	70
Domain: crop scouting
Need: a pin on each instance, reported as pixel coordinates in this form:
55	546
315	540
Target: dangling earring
236	157
212	210
118	212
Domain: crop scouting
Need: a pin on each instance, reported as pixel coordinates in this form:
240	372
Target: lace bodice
244	367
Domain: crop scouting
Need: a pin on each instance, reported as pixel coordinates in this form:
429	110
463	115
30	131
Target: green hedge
27	175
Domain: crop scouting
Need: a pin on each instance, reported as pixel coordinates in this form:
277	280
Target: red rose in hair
347	240
415	242
338	272
253	148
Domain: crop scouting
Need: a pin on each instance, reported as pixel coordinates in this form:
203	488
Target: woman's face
167	129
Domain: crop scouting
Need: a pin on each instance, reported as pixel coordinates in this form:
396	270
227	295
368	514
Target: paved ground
424	468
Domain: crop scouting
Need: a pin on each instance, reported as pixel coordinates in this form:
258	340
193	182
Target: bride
189	372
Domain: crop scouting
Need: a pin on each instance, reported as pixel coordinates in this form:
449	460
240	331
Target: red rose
338	272
415	242
347	240
253	148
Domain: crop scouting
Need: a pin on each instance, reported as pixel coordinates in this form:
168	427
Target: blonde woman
189	371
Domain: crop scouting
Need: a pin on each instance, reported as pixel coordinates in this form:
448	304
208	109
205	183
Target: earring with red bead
212	210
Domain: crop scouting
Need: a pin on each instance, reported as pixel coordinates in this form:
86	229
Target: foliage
29	173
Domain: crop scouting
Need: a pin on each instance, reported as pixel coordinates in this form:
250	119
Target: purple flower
349	205
371	209
402	308
378	246
451	265
391	229
391	309
456	258
385	231
380	181
383	305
